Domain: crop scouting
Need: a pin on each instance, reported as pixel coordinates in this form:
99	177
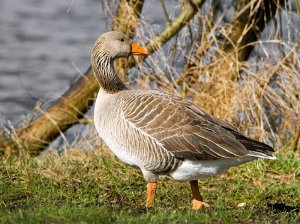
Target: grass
95	187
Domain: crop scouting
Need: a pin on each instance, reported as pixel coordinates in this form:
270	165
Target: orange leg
197	201
151	189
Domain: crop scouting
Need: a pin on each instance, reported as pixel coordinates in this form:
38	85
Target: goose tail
261	155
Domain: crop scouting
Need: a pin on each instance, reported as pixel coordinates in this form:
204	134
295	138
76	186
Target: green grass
100	189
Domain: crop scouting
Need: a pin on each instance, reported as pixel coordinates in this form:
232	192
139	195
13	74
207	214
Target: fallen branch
71	106
174	27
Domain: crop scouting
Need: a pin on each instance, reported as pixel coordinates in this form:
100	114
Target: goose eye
122	40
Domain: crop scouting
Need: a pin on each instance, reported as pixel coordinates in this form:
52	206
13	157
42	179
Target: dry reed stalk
260	98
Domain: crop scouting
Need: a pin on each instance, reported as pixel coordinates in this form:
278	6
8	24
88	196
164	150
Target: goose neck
104	71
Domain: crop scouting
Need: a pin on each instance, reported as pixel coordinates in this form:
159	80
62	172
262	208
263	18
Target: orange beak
138	50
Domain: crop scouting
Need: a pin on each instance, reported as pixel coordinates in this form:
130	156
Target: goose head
116	45
108	47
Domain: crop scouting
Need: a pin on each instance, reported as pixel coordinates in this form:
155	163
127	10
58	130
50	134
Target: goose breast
127	141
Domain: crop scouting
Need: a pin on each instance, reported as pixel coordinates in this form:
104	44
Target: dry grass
260	96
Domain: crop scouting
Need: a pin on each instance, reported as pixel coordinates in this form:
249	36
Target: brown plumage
160	133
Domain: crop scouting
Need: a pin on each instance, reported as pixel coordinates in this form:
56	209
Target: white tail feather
261	155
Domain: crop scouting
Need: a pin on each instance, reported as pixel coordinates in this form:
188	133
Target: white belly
194	170
116	147
105	119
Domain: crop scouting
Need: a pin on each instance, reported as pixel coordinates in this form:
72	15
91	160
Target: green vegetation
97	188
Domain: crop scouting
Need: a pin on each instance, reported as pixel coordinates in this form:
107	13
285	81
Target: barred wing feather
182	128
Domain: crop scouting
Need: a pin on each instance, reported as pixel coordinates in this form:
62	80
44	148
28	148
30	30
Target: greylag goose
160	133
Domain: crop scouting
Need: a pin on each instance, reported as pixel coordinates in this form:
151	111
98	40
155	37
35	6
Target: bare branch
165	11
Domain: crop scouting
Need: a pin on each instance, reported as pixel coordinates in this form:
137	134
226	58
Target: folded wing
185	130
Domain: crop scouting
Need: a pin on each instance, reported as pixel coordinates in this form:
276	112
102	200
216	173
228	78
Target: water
42	45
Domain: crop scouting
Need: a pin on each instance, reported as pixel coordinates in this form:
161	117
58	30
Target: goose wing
181	127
